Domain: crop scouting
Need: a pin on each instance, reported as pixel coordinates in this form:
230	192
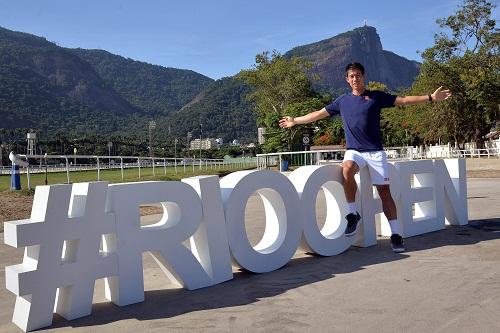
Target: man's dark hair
355	65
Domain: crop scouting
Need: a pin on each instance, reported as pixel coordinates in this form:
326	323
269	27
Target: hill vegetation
77	98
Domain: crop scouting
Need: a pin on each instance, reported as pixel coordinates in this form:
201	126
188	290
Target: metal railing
316	157
68	164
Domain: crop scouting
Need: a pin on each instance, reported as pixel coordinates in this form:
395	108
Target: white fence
71	163
316	157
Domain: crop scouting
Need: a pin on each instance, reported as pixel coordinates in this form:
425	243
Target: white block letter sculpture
82	232
62	240
182	214
283	219
308	181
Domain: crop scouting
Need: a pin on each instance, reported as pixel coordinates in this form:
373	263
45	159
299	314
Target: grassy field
113	176
16	205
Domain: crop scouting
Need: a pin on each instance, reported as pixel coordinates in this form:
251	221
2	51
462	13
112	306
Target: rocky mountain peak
330	56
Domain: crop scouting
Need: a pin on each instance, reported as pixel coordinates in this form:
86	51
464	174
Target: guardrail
466	153
68	164
316	157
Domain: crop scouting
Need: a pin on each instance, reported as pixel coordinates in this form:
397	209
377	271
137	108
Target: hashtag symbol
62	258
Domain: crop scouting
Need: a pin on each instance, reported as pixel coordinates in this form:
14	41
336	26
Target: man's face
355	79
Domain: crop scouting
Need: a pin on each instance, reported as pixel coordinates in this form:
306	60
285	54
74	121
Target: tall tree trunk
478	139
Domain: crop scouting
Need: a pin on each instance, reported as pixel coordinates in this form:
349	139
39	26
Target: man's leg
390	211
379	172
349	169
388	204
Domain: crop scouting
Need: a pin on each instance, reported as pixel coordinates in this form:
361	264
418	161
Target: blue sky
219	38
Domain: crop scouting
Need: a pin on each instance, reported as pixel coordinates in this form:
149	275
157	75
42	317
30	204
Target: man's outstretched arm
437	95
287	122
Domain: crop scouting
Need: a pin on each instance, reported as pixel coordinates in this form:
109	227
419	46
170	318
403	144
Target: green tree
297	109
374	85
278	83
333	134
464	58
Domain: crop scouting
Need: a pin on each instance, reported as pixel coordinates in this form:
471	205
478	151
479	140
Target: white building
260	135
208	143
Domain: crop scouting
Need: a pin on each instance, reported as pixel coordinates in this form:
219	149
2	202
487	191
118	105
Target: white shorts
376	162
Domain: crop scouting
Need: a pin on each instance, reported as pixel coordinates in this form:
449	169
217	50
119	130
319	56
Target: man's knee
349	168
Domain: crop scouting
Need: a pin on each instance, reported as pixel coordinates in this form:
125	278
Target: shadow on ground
247	288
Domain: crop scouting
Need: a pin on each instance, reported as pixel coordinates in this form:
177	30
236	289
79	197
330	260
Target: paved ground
447	281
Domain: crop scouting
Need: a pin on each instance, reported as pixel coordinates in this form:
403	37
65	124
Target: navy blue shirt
361	118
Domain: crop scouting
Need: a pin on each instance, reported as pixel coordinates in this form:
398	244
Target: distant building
261	131
31	138
208	143
219	141
235	142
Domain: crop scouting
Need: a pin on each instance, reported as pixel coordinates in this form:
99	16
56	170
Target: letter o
283	219
308	181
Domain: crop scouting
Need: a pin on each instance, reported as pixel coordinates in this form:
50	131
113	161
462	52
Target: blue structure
15	178
284	165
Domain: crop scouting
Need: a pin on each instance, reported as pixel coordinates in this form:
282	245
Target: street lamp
1	157
151	127
175	155
110	144
188	142
201	133
46	169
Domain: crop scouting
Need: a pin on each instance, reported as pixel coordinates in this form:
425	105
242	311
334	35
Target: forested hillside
155	90
223	110
77	93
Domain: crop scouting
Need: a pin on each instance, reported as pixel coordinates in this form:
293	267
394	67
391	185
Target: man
360	112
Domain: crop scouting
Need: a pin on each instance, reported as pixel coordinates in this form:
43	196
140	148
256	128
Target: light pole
201	134
1	156
175	155
110	144
188	142
46	169
151	127
188	149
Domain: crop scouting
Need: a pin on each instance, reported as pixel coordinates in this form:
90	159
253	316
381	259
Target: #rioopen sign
82	232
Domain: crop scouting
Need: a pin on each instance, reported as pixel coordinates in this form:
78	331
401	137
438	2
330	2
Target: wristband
430	98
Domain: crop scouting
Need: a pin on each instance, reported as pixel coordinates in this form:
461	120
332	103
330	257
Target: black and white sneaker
397	243
352	224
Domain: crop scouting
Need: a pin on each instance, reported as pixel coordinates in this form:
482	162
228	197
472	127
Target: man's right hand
287	122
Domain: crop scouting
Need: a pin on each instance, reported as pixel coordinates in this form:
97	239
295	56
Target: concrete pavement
447	281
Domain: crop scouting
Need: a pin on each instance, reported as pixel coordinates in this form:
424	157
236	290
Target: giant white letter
308	181
283	219
182	215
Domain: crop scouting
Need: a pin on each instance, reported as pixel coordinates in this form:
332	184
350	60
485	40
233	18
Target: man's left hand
440	94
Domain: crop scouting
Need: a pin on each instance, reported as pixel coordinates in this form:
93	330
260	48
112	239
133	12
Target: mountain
53	89
42	85
154	89
223	110
70	92
329	58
